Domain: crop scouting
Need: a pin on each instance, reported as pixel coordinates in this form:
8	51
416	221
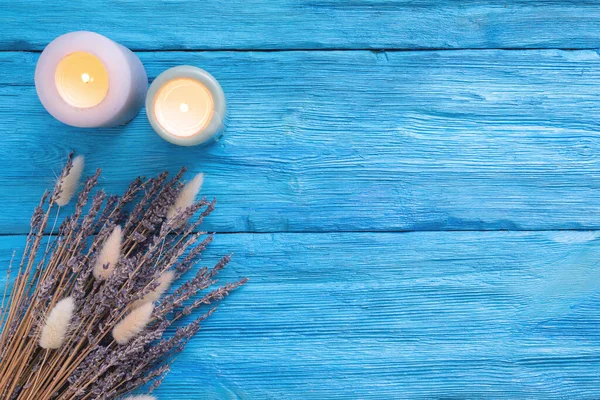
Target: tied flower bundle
88	314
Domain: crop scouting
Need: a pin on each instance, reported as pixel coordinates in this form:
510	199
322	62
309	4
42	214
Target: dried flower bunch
87	314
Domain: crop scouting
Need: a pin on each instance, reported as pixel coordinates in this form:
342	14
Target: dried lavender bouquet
87	314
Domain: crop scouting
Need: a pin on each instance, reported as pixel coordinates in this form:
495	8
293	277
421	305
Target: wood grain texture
329	154
463	315
304	24
349	141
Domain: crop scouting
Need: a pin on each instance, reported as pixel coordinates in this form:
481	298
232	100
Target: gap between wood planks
311	49
404	231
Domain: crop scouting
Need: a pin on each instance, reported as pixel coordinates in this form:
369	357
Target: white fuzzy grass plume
133	323
140	397
70	182
57	324
109	255
55	291
187	196
164	283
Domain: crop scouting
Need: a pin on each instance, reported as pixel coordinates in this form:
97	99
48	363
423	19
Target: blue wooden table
413	187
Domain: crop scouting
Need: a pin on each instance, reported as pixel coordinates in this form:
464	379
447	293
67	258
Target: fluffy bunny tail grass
164	283
57	324
109	255
187	196
133	324
69	183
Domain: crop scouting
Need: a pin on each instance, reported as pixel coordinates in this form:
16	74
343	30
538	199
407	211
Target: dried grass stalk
133	323
109	255
68	182
56	327
186	196
87	316
164	283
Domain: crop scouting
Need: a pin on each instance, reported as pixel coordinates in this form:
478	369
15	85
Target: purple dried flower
158	246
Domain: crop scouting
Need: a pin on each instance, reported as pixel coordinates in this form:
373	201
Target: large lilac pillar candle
86	80
186	106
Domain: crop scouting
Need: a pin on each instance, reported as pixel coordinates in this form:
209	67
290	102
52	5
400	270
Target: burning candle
86	80
186	106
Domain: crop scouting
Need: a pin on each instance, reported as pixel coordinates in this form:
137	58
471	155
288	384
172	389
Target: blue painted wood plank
304	24
503	315
349	141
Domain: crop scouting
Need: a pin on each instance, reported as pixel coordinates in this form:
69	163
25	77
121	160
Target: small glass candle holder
86	80
186	106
